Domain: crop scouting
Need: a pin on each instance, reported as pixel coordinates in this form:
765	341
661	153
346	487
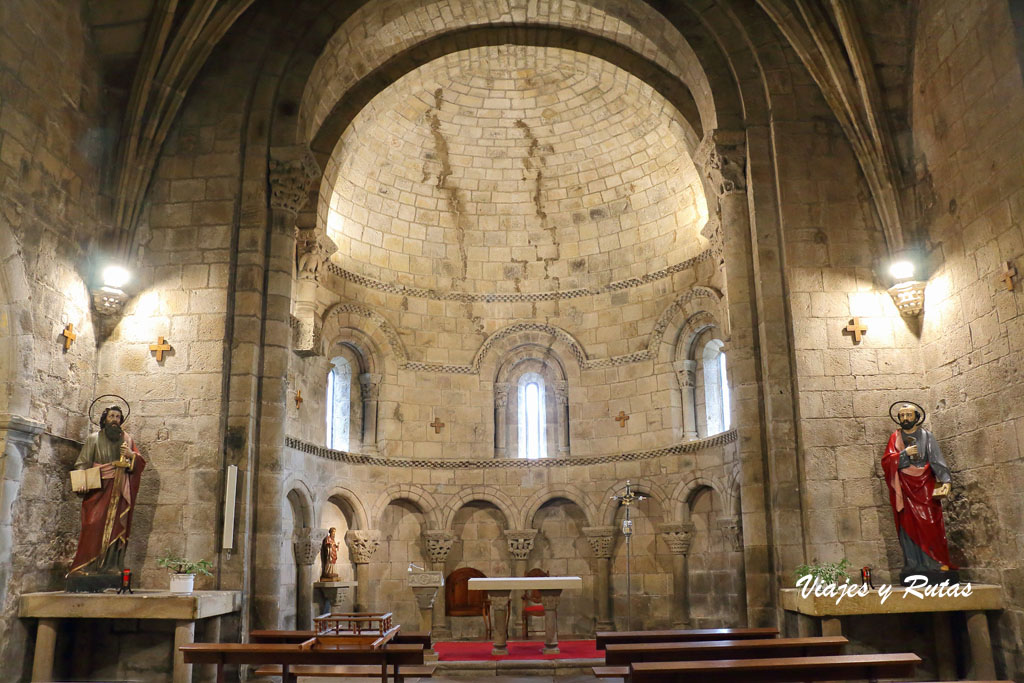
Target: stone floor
448	679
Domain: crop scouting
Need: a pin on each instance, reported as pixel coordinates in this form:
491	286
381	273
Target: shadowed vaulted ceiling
511	168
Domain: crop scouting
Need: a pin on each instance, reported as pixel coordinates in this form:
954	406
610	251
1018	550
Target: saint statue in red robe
107	510
917	478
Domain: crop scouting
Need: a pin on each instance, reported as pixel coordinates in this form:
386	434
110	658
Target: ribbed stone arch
362	344
567	492
492	353
348	501
365	328
302	500
648	487
686	491
674	319
488	494
420	497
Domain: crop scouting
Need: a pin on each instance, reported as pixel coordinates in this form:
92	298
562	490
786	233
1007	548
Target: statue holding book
917	477
106	475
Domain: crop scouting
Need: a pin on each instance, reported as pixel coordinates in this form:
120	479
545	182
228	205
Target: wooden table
550	587
983	597
185	610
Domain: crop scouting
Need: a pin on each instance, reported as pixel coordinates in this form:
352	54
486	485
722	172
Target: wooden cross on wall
298	399
437	425
1008	274
69	336
856	329
159	348
622	418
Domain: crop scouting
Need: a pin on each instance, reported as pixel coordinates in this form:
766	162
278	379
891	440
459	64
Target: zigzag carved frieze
504	463
514	297
574	346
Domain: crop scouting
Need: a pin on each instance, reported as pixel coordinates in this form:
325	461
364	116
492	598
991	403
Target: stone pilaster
501	390
306	544
679	537
369	386
362	545
602	542
561	390
686	373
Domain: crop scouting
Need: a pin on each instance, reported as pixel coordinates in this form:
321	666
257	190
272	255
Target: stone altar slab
531	583
550	587
184	610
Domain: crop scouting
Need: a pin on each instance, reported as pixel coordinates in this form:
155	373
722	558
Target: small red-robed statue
917	478
106	510
329	557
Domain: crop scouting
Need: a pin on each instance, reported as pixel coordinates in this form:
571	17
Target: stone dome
514	169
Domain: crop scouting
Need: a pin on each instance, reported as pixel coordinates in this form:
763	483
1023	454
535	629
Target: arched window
533	441
339	389
716	388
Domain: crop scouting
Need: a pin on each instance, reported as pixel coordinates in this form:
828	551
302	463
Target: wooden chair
459	601
531	604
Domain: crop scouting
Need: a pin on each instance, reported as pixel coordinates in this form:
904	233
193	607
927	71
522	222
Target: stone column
520	544
686	373
18	437
438	544
561	388
306	545
601	542
362	544
369	385
501	419
679	537
313	249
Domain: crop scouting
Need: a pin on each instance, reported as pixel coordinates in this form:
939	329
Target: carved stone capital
561	389
520	542
732	529
678	536
722	157
686	371
601	539
369	384
306	544
439	544
362	544
501	394
292	174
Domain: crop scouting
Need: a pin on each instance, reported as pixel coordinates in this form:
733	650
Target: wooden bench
618	656
295	637
683	635
392	659
348	671
778	670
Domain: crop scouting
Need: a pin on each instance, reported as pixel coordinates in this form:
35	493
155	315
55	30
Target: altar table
184	610
498	590
984	597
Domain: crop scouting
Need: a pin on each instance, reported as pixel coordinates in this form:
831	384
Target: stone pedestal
438	543
183	610
425	586
338	594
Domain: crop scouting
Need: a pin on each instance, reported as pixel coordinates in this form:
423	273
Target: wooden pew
391	659
778	670
295	637
618	656
684	635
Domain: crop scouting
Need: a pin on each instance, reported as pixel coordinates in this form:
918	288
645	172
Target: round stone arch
685	491
567	492
487	494
350	505
301	498
648	487
697	304
418	496
556	343
368	332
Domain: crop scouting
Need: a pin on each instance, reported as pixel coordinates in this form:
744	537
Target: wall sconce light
110	298
907	292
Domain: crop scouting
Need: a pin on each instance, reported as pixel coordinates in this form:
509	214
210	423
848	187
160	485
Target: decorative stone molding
601	539
292	176
520	542
561	389
426	579
306	544
369	385
732	529
507	463
439	544
362	544
501	394
722	155
678	536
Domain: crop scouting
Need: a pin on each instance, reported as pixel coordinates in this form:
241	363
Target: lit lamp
110	298
907	292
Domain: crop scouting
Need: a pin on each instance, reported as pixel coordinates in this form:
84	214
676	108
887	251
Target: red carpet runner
477	651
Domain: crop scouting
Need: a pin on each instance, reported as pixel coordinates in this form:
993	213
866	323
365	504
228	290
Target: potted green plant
826	572
183	572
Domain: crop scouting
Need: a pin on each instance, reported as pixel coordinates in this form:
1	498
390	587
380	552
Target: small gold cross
1008	275
298	399
159	349
69	336
437	425
856	329
622	418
